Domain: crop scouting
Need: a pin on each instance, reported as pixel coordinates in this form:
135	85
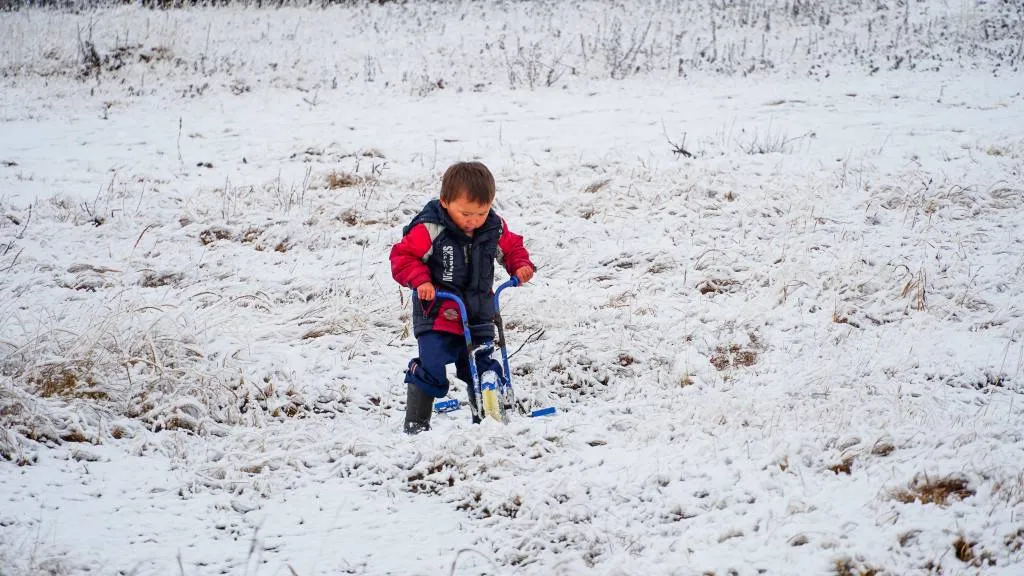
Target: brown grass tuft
934	491
320	332
849	567
250	235
74	436
212	234
916	289
718	286
66	381
883	447
963	549
1015	541
337	180
844	467
156	280
908	537
970	553
839	318
350	217
732	356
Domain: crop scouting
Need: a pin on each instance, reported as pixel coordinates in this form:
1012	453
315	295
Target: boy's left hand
524	274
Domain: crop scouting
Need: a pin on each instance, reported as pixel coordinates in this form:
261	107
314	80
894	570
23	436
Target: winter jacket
433	249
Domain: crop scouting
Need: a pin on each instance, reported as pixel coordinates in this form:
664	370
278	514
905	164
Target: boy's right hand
425	291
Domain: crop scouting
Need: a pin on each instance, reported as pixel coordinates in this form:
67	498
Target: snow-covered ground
779	305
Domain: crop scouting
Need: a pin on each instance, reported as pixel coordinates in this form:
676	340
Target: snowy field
779	305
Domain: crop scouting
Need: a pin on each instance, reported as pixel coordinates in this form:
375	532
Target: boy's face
466	214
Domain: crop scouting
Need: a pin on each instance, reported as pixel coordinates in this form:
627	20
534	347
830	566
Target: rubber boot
418	408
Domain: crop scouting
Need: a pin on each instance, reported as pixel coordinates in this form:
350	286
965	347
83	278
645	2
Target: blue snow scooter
493	390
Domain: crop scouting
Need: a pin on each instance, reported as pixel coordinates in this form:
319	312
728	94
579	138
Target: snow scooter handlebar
511	282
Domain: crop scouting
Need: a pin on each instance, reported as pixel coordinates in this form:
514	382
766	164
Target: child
451	245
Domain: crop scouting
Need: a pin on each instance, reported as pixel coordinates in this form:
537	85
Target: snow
754	351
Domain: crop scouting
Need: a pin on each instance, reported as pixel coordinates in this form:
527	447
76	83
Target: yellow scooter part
492	403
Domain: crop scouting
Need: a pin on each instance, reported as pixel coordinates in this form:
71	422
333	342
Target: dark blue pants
438	349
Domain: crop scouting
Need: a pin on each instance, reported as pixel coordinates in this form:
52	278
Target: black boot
418	407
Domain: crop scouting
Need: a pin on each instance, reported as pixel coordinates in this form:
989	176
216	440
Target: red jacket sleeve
407	266
512	252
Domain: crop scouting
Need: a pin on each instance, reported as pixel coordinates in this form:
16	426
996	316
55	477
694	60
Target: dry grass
883	447
850	567
153	279
843	467
839	318
595	187
1015	542
971	553
337	180
66	380
214	233
718	286
908	537
1009	489
732	355
937	491
350	217
916	290
963	549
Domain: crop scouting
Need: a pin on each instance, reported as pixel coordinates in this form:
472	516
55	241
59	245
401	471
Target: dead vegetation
718	286
915	289
213	234
938	491
732	356
845	466
152	279
67	380
847	566
580	377
336	180
1015	542
150	378
597	186
93	64
972	553
883	447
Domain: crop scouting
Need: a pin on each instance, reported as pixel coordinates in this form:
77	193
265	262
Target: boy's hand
425	291
524	274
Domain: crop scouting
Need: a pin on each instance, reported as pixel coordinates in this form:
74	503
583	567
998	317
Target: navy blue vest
462	265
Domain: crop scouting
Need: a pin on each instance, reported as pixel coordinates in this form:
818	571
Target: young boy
451	245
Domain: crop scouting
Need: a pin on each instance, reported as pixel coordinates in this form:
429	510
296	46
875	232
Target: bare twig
21	234
459	554
11	265
143	233
677	149
531	338
180	159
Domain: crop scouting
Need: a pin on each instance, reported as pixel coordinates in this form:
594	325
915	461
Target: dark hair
471	179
